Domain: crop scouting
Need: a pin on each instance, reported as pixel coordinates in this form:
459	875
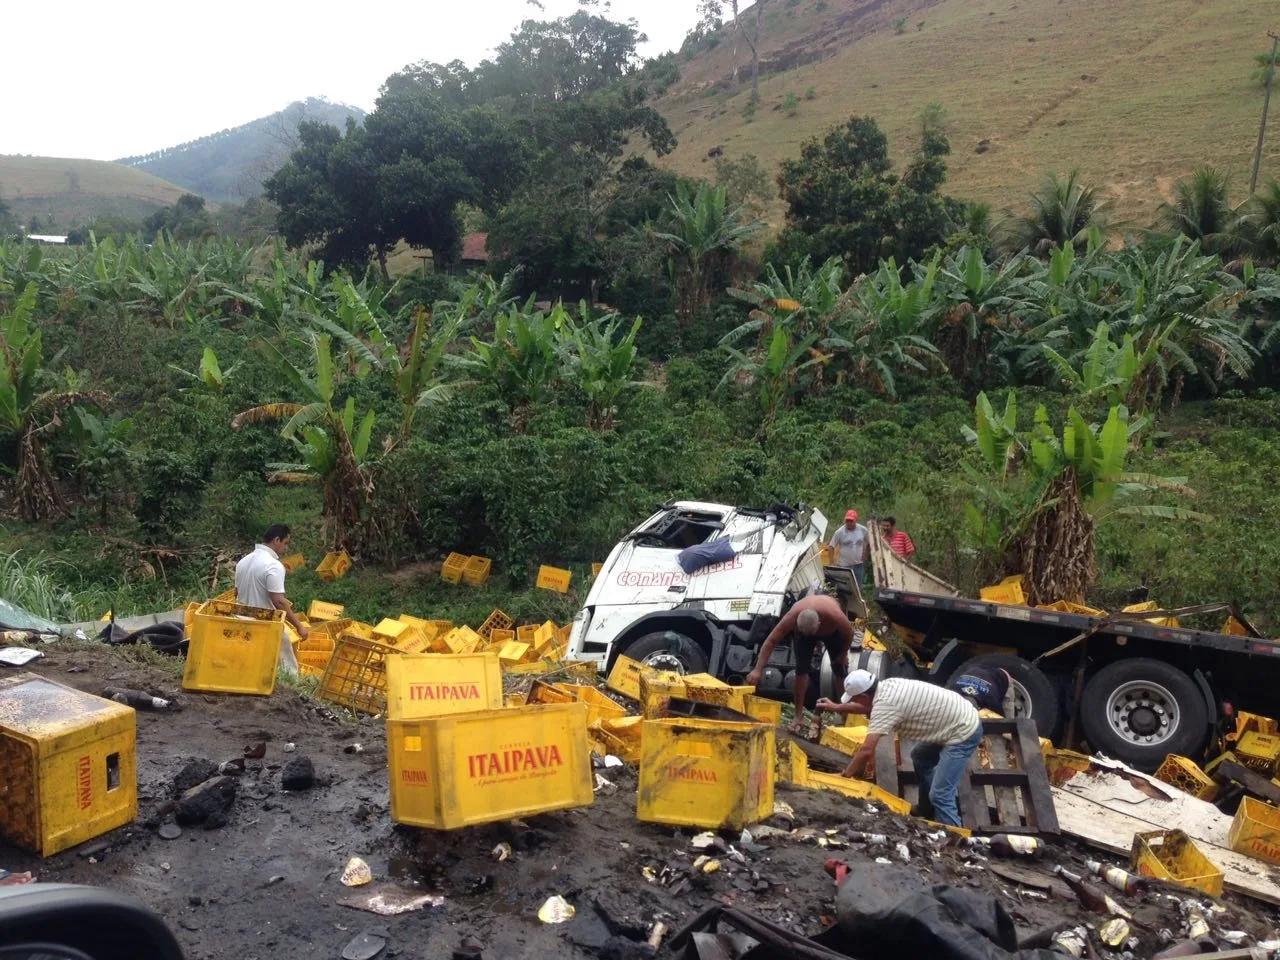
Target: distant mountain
231	164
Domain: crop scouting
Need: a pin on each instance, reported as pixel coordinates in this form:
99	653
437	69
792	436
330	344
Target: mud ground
266	884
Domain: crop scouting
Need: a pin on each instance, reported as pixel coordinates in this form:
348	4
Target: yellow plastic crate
334	566
497	638
543	691
293	562
856	720
1258	751
1186	775
390	631
476	572
513	653
554	578
461	640
624	677
1171	855
763	709
320	610
527	633
315	651
792	764
454	566
1246	721
599	706
859	789
471	768
69	764
544	637
620	736
495	621
436	684
1009	591
826	554
356	675
705	688
845	739
657	687
233	649
189	618
227	596
1255	831
584	671
595	569
536	666
705	773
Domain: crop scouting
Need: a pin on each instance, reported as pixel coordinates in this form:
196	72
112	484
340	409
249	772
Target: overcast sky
108	80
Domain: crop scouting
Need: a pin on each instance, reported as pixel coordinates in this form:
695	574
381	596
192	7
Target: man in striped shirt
944	725
897	540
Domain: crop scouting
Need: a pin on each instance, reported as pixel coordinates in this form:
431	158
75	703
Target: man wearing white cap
943	724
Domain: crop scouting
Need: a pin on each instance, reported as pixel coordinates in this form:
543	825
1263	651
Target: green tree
1065	210
599	361
1201	210
844	200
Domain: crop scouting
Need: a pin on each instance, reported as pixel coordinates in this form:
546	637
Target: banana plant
29	413
331	447
599	361
773	371
210	372
803	300
1109	372
418	375
522	360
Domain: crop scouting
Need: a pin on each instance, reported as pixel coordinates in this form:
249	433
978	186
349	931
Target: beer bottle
1090	897
1122	880
1071	941
1016	845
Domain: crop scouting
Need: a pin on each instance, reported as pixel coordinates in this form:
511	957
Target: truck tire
1031	687
668	650
1141	710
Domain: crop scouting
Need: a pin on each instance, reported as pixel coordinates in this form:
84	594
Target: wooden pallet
1009	793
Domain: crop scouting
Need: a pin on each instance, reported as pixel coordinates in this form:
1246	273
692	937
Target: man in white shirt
260	583
944	725
850	544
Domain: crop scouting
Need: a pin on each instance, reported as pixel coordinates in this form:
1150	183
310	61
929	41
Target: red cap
852	515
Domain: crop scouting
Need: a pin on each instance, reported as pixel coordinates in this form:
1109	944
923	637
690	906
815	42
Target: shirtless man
816	621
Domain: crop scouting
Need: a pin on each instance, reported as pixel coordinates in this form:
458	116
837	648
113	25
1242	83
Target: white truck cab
642	604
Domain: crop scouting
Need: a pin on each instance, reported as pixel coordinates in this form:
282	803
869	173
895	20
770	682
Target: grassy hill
69	192
231	164
1134	93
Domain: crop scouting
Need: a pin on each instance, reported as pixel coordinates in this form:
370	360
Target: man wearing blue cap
944	725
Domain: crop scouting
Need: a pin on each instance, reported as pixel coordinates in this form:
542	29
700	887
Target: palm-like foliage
802	299
330	444
1108	371
1201	210
599	360
28	412
522	360
773	370
1064	212
703	236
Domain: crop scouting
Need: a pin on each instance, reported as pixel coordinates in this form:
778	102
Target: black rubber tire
1046	705
1187	740
691	656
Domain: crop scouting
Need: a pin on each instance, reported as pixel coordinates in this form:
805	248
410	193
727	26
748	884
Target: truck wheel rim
1021	701
664	661
1142	712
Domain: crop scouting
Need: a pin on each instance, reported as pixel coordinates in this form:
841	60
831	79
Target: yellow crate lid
52	717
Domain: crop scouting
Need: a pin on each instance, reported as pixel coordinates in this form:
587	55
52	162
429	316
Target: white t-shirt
851	544
922	712
258	574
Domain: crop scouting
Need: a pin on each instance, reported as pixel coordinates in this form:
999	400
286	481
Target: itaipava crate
554	578
356	675
1255	831
1009	591
233	649
1172	855
293	562
620	736
705	773
476	572
1186	775
624	678
435	684
321	610
1258	751
67	764
334	566
498	620
454	566
859	789
762	709
470	768
657	687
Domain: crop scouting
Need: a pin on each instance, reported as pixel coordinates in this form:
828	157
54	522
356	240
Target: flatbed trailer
1133	689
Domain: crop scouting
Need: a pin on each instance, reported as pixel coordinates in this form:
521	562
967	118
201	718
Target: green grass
75	191
1135	94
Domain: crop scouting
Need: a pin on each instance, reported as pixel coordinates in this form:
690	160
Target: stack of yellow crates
458	758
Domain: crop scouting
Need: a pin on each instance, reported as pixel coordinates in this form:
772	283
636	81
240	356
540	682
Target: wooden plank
1106	811
1253	782
1039	798
821	758
1006	800
887	766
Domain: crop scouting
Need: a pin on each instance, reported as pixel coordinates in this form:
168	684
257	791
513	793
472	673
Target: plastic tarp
719	550
14	617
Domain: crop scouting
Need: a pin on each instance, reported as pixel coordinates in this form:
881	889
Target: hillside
64	192
231	164
1136	94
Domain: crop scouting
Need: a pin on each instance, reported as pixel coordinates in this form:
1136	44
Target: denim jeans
940	770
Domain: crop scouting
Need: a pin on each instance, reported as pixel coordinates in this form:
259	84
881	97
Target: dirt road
266	884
